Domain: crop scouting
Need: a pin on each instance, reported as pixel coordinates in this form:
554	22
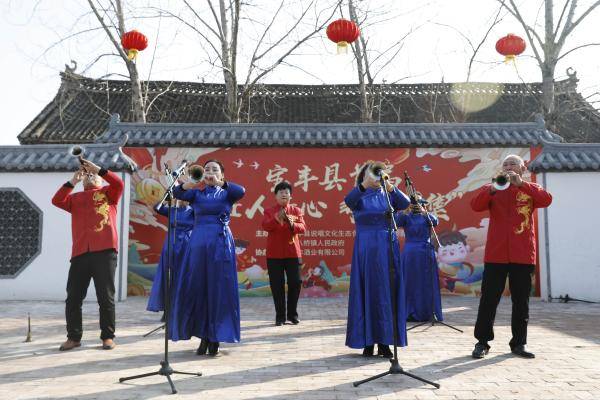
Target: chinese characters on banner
447	178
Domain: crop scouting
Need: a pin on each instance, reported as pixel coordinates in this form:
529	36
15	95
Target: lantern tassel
132	54
509	58
342	47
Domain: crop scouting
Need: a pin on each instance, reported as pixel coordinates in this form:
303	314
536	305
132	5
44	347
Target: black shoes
522	352
213	348
368	351
293	320
481	349
203	347
384	351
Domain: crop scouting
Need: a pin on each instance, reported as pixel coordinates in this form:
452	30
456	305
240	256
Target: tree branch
576	48
108	32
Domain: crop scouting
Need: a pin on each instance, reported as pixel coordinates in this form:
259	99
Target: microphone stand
165	368
433	319
163	281
395	367
170	180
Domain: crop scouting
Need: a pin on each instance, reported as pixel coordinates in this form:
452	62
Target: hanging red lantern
342	32
133	42
510	46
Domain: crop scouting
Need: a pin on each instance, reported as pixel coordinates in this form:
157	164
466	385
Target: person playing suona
419	264
370	316
182	222
94	251
207	304
284	222
510	250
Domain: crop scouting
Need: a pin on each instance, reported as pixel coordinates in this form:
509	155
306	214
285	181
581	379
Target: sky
38	37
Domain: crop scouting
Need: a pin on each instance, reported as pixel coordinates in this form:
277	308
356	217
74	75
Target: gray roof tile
567	157
49	158
330	135
74	115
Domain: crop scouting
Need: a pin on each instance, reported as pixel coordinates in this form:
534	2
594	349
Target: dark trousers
99	266
291	267
492	286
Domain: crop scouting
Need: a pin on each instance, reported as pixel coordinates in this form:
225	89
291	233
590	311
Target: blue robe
208	303
420	267
370	314
182	221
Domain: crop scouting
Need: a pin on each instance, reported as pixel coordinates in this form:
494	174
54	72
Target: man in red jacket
284	222
510	250
95	245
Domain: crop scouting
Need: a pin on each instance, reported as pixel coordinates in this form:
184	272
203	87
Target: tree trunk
366	110
137	97
548	94
228	56
549	64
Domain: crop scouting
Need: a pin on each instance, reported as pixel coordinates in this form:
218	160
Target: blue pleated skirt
370	317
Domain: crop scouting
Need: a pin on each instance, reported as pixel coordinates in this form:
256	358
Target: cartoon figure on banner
248	270
456	275
319	277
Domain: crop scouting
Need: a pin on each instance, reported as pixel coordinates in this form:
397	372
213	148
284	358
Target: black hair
282	186
216	162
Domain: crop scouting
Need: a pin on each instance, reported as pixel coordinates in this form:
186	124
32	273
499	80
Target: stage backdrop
447	178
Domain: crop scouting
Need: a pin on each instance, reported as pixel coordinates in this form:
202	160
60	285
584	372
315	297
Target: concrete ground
307	361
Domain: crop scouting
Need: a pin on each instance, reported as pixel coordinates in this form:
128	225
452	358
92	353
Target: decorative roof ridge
75	81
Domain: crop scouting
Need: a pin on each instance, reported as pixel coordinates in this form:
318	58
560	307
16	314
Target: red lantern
510	46
342	32
133	42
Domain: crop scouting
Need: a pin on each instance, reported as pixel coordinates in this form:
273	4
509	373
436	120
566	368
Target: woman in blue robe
182	221
370	316
208	304
420	265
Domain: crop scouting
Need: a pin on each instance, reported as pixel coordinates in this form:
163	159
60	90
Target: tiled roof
330	135
53	158
567	157
80	110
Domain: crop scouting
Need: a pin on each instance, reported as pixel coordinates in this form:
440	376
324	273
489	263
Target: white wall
45	278
570	255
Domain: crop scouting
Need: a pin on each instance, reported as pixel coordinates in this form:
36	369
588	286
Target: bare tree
219	28
548	47
111	17
370	61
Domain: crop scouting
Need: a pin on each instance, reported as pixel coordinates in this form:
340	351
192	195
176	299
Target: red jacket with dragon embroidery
511	233
93	214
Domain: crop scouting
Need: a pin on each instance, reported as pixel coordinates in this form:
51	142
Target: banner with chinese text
447	178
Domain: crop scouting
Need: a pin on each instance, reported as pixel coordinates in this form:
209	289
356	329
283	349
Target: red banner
321	178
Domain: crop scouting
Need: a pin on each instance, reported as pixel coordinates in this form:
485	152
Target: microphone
181	170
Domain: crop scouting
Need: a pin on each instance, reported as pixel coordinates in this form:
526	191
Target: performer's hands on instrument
190	185
515	178
89	166
388	185
283	218
212	180
78	176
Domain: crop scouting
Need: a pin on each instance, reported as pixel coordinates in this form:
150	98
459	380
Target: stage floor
307	361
